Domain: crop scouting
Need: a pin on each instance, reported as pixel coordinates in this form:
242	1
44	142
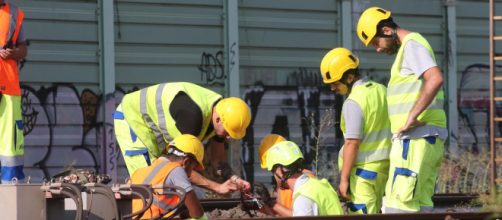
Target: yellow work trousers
367	186
135	152
414	164
11	138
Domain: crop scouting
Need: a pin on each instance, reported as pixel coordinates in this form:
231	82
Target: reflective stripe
13	23
377	135
366	174
148	120
370	156
160	111
162	205
154	172
401	108
118	115
399	89
356	207
11	161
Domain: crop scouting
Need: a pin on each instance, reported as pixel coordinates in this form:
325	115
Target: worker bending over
311	196
415	103
364	158
183	155
148	119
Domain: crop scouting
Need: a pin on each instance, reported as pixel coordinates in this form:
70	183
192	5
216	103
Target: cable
104	190
174	190
146	203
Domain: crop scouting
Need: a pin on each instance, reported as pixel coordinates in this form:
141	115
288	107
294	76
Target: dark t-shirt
187	115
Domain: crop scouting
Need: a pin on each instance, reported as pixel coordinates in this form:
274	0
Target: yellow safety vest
376	142
147	112
403	91
323	194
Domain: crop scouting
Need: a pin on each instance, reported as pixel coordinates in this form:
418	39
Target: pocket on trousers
404	184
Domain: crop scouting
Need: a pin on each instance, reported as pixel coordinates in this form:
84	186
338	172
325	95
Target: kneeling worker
311	196
283	204
183	155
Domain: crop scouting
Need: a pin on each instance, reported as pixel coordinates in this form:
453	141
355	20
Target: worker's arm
218	152
223	189
282	210
350	149
193	205
432	82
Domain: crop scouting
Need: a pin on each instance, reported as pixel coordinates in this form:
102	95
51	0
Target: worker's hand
6	53
227	187
344	189
410	123
242	185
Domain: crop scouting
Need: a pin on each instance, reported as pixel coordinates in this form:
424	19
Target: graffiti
304	77
232	56
473	104
64	128
211	68
293	112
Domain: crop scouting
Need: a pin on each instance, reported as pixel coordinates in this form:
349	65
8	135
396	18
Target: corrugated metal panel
472	21
278	37
63	42
473	59
163	41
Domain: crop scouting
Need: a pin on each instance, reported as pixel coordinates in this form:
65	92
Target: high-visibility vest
285	196
376	141
403	91
323	194
11	18
153	175
147	112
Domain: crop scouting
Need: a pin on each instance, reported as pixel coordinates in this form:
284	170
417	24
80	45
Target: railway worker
311	196
364	158
183	155
415	103
283	204
149	118
14	49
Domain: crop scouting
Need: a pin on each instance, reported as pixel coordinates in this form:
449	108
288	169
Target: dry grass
469	173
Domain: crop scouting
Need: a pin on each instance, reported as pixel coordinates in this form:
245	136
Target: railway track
446	203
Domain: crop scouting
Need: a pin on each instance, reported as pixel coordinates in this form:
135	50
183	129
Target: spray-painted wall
281	44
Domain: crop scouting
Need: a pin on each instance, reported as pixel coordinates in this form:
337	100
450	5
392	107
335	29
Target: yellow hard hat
266	143
189	144
335	63
367	25
283	153
235	116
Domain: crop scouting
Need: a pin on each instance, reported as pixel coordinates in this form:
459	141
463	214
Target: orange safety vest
11	18
285	196
153	175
